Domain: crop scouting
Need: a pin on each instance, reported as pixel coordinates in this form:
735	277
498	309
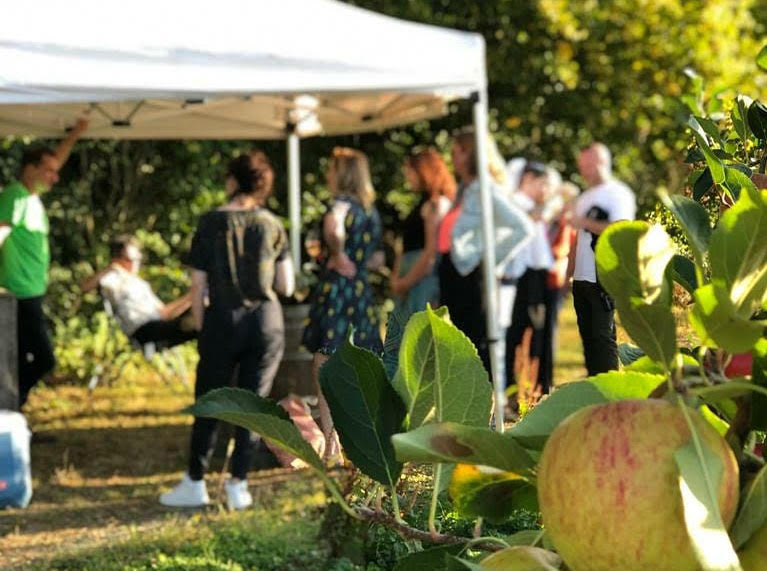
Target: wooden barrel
295	372
9	383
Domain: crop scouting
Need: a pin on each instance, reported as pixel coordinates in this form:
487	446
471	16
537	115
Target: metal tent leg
294	198
488	259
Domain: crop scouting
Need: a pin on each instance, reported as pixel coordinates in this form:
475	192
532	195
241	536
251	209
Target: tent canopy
230	69
238	69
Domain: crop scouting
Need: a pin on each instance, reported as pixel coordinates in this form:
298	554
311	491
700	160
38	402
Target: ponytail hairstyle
433	175
352	175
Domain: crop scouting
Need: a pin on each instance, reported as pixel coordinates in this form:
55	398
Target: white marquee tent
235	69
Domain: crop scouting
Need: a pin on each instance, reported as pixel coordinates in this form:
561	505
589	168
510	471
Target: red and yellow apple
608	487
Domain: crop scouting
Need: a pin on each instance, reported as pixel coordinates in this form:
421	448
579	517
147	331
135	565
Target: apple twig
409	532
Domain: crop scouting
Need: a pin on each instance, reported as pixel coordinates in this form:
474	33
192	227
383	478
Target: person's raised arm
199	284
64	148
590	225
507	215
177	306
334	232
92	282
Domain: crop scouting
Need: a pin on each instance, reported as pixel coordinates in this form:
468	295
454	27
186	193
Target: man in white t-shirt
140	313
607	200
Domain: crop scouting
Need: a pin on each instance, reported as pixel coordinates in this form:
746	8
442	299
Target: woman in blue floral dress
343	298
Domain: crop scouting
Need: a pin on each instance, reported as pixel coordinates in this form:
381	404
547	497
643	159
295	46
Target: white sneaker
237	495
187	494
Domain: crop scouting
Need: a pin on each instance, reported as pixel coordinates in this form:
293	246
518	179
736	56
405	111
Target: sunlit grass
96	487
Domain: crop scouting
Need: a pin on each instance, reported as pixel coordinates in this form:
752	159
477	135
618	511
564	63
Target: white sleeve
443	206
107	282
340	209
624	206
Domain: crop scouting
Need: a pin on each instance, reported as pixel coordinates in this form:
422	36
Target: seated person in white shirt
140	313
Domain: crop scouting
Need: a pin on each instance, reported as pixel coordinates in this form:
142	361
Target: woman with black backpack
240	257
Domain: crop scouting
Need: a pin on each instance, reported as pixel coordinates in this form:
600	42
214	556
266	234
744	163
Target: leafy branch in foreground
635	469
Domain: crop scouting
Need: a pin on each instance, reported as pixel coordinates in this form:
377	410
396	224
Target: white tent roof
224	69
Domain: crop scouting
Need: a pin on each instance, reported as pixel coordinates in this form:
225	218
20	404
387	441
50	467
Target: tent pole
294	198
488	258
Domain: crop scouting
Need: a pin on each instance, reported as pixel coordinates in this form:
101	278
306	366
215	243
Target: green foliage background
561	73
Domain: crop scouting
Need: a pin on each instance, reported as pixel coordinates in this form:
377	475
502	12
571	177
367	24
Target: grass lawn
116	449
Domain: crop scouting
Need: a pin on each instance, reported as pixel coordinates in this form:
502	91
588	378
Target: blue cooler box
15	472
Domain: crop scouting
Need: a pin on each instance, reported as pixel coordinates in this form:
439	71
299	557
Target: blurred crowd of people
545	232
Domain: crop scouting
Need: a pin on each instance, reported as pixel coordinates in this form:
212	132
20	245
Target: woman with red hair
414	279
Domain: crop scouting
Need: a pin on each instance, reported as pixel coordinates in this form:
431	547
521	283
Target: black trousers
250	340
463	297
596	324
533	299
166	333
36	357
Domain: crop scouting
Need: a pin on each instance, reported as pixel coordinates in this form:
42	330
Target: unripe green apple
753	556
608	487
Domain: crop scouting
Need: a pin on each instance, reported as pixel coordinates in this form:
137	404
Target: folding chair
166	362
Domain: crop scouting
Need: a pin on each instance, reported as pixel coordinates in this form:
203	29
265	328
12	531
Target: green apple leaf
628	353
683	273
752	514
457	564
522	558
714	420
694	221
715	165
757	120
655	250
652	326
632	260
536	426
710	129
626	385
531	537
432	559
759	377
700	472
738	251
265	417
366	410
452	442
761	58
737	178
479	491
739	117
703	184
647	365
717	323
440	377
723	391
395	329
694	156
